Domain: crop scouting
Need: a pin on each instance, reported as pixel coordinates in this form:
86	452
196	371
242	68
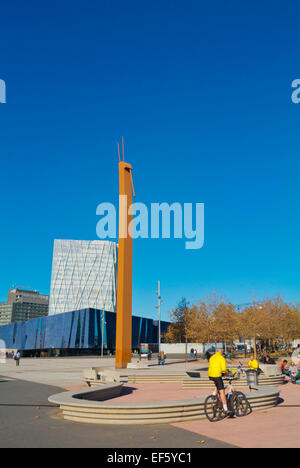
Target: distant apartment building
23	305
6	312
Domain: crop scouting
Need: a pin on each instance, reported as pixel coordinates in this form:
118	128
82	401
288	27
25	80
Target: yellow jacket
217	365
253	364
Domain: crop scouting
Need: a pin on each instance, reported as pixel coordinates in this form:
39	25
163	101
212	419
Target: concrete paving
278	427
28	421
61	372
68	372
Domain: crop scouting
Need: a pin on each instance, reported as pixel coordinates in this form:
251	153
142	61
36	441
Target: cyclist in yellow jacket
217	367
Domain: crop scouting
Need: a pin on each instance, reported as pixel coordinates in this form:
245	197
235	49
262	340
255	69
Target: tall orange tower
124	283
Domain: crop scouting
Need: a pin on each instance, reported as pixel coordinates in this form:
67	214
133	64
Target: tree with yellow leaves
215	320
224	323
198	325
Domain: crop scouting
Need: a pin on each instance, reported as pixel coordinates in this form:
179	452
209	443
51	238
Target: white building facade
84	275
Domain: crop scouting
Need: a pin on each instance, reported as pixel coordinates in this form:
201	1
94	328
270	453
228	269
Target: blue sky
202	94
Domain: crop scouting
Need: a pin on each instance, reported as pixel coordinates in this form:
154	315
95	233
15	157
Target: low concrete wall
97	412
198	382
204	382
270	370
101	375
178	349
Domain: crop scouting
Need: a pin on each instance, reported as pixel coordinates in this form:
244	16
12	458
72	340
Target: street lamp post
158	307
102	344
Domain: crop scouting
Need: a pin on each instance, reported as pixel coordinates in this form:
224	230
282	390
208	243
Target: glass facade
80	329
83	276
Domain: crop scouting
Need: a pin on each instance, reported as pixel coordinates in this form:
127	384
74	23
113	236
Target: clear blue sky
202	93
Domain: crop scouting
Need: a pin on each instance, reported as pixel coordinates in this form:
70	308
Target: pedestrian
18	358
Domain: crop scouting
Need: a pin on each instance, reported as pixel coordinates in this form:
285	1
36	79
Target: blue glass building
76	332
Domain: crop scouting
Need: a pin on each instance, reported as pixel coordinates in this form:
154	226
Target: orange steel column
124	284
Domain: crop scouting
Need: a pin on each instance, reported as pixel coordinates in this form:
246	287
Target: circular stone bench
84	406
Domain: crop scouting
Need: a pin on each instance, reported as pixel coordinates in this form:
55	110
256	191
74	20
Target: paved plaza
68	372
28	420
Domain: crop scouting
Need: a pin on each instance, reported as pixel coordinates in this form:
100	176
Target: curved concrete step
189	382
75	408
154	378
242	383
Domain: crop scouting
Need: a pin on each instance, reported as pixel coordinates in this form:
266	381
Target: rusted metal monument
124	283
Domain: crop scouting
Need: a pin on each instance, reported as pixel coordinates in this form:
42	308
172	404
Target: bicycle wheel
240	405
213	408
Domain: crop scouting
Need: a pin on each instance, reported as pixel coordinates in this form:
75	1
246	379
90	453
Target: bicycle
237	403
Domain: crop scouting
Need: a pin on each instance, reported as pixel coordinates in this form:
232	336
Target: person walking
18	358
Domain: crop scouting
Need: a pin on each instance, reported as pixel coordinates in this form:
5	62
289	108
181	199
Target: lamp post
103	323
158	307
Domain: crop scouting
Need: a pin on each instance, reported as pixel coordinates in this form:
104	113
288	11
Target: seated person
292	371
269	360
284	367
253	364
295	379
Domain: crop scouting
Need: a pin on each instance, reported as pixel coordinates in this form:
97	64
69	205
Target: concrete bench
100	375
270	370
81	407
